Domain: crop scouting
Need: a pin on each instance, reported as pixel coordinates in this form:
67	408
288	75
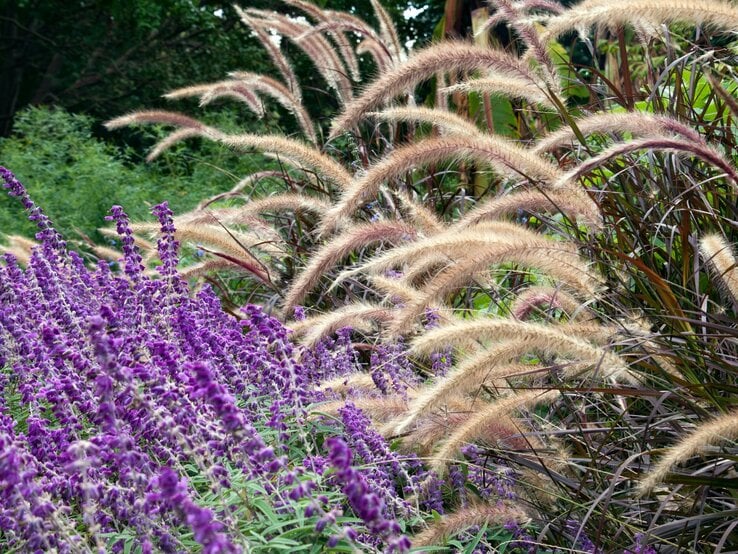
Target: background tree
106	57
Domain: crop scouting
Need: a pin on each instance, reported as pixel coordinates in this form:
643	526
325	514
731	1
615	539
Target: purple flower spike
366	504
47	235
167	247
143	412
134	267
641	546
173	495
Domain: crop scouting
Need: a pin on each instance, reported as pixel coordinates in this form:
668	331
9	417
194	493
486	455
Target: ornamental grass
496	316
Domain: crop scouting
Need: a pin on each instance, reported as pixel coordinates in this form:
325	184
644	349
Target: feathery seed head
720	430
720	259
352	239
448	57
501	154
645	14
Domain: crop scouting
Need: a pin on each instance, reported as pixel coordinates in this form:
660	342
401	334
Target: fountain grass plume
288	201
571	273
495	364
679	146
339	247
346	384
278	58
471	333
210	92
636	123
325	20
361	316
419	215
395	290
315	46
496	415
447	57
503	86
324	166
503	155
388	32
645	14
239	189
378	408
573	203
719	257
477	515
723	429
459	244
543	299
447	122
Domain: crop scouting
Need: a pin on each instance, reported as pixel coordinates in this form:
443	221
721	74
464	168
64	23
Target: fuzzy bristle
497	415
359	316
498	153
275	89
720	430
636	123
324	165
493	364
447	57
455	244
157	116
447	122
352	239
542	299
645	14
279	60
547	258
568	201
324	17
496	515
503	86
667	144
721	260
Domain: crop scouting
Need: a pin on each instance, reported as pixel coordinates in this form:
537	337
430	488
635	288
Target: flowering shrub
136	416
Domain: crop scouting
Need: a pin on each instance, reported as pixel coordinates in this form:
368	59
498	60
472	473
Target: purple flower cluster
441	360
46	232
493	483
640	546
111	387
391	370
365	503
129	409
26	514
581	541
396	477
169	493
331	357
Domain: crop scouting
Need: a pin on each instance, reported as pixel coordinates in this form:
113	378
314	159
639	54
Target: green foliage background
77	177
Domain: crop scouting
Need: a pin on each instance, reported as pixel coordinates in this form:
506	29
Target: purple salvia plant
116	386
640	545
365	503
390	368
493	483
169	493
441	360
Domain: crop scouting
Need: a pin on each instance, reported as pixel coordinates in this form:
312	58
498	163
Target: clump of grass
573	297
